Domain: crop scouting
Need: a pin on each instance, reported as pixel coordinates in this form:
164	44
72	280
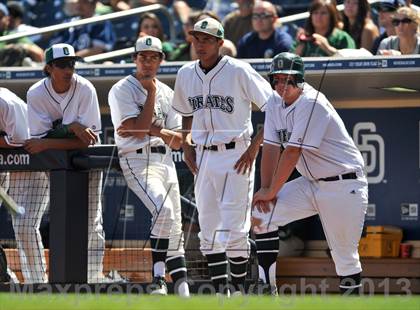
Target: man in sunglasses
145	131
266	40
386	10
303	130
63	113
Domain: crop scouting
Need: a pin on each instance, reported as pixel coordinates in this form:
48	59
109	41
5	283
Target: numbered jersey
126	100
13	118
46	107
220	101
313	124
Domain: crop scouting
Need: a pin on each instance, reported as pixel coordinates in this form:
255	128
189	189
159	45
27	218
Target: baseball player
303	130
63	113
28	189
214	95
145	131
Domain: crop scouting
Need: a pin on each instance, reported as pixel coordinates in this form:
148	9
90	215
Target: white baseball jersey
79	104
220	100
312	123
13	118
126	100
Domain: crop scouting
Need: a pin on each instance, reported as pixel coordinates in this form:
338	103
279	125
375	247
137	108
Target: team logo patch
149	42
284	135
277	64
66	51
204	25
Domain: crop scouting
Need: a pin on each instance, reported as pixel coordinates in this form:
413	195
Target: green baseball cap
210	26
58	51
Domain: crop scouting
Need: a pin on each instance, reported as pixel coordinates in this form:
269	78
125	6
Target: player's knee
165	216
24	229
238	246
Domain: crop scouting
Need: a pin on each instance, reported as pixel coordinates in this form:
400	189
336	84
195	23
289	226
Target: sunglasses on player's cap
60	54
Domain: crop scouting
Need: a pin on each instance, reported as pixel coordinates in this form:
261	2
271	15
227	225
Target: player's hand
155	130
84	133
34	146
148	83
190	157
244	164
264	199
124	132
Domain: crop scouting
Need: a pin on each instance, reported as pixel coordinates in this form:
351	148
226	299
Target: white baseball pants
152	177
224	202
341	206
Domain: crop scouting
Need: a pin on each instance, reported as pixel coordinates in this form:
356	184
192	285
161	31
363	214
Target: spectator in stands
16	17
151	25
357	23
107	7
239	22
183	9
228	49
90	39
185	51
220	7
266	40
322	37
407	41
386	10
16	52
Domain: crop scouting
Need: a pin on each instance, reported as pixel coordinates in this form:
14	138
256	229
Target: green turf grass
114	302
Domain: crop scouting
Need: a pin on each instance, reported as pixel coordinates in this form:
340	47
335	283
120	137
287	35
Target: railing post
68	226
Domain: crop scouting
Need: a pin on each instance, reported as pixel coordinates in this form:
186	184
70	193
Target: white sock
159	269
261	274
183	289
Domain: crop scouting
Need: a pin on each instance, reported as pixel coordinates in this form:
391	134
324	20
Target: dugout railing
127	258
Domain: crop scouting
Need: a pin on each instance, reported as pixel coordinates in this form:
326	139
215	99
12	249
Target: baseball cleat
262	288
158	286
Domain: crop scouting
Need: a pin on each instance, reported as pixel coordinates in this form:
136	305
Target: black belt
347	176
154	149
228	146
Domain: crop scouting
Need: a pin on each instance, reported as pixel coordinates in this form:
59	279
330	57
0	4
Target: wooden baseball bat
10	204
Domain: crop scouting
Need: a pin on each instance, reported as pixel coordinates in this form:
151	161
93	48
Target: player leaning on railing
27	189
63	113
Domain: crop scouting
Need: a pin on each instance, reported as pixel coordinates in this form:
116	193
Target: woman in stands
357	22
322	36
407	41
150	25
